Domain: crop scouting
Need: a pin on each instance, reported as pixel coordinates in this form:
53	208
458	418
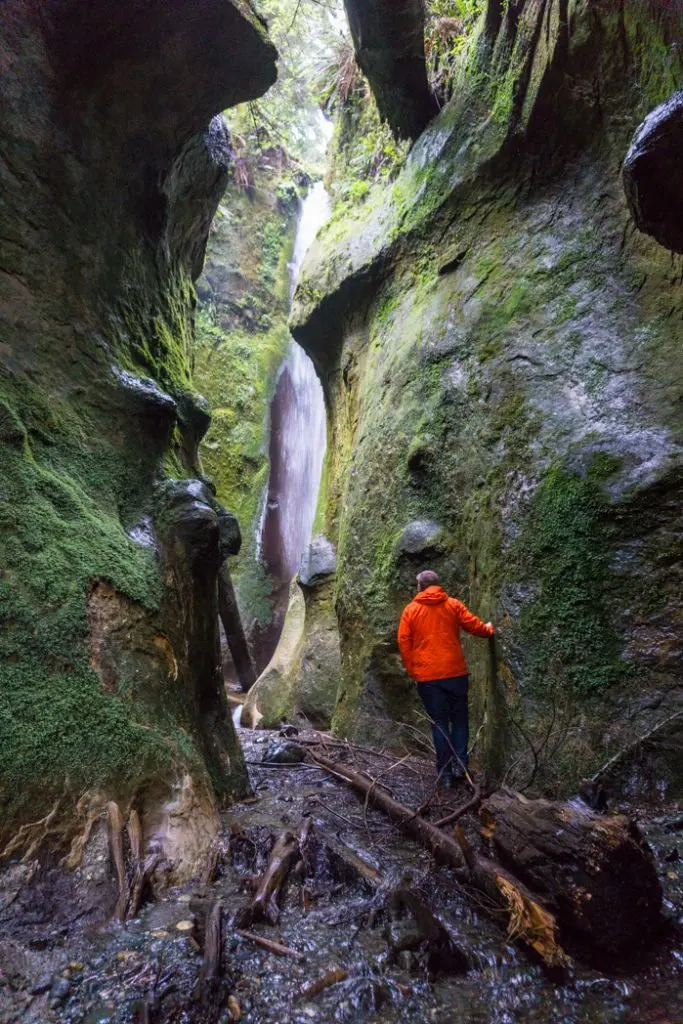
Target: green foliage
364	152
305	33
449	26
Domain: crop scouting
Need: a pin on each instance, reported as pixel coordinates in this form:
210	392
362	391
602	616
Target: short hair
427	579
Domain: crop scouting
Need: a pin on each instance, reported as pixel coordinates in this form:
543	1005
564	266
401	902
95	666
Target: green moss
658	64
55	721
566	548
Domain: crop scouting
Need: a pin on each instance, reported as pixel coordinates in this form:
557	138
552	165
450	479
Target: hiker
429	641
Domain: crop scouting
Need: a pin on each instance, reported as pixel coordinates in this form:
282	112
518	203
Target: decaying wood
441	845
131	885
353	860
595	872
528	919
443	954
272	947
229	612
115	823
329	978
134	829
210	867
211	965
265	906
141	874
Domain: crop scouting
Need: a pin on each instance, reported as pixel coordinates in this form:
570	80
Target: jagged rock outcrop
110	171
502	353
388	37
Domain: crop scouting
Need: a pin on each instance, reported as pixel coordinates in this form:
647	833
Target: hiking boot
446	781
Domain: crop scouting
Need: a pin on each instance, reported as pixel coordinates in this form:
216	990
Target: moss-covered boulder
110	174
302	678
502	353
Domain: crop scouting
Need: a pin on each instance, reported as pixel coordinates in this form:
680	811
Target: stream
296	447
60	961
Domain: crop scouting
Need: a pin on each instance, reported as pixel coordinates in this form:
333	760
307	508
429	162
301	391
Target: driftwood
353	860
265	906
272	947
115	823
331	977
595	872
460	812
528	920
210	974
131	884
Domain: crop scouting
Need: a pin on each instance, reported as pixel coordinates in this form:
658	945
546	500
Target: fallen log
595	872
528	920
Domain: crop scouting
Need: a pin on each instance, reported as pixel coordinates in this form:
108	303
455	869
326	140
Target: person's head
427	579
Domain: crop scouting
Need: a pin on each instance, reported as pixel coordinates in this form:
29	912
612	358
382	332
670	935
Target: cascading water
297	445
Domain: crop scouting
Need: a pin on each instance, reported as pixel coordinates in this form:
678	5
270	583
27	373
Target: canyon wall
111	168
501	352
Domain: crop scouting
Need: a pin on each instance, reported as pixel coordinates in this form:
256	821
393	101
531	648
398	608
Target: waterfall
297	439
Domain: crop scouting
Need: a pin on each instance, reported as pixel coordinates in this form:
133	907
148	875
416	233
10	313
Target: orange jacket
429	635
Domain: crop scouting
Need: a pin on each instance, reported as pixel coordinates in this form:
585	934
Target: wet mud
373	930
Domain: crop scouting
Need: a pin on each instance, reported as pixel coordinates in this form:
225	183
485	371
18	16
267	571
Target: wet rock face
523	394
653	175
389	42
111	168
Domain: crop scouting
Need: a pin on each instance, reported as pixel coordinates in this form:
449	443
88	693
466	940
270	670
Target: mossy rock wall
506	364
109	178
242	338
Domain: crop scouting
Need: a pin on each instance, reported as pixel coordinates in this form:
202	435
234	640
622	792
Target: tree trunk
595	872
234	633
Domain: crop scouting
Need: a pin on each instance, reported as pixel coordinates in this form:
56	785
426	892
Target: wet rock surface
368	908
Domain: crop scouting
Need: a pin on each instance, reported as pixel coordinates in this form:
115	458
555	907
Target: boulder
653	175
318	562
303	675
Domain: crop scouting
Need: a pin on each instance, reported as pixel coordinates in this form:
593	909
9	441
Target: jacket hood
432	595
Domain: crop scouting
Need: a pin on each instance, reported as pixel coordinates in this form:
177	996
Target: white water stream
298	430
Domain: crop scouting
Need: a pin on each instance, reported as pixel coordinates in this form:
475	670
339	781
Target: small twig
634	746
463	809
272	947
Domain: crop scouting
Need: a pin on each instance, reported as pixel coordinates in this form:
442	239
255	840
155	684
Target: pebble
185	926
59	990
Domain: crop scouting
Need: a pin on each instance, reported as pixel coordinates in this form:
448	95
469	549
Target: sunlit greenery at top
307	33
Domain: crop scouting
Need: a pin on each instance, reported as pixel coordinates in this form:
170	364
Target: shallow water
336	918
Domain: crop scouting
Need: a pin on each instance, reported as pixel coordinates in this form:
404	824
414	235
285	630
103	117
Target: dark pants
446	703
